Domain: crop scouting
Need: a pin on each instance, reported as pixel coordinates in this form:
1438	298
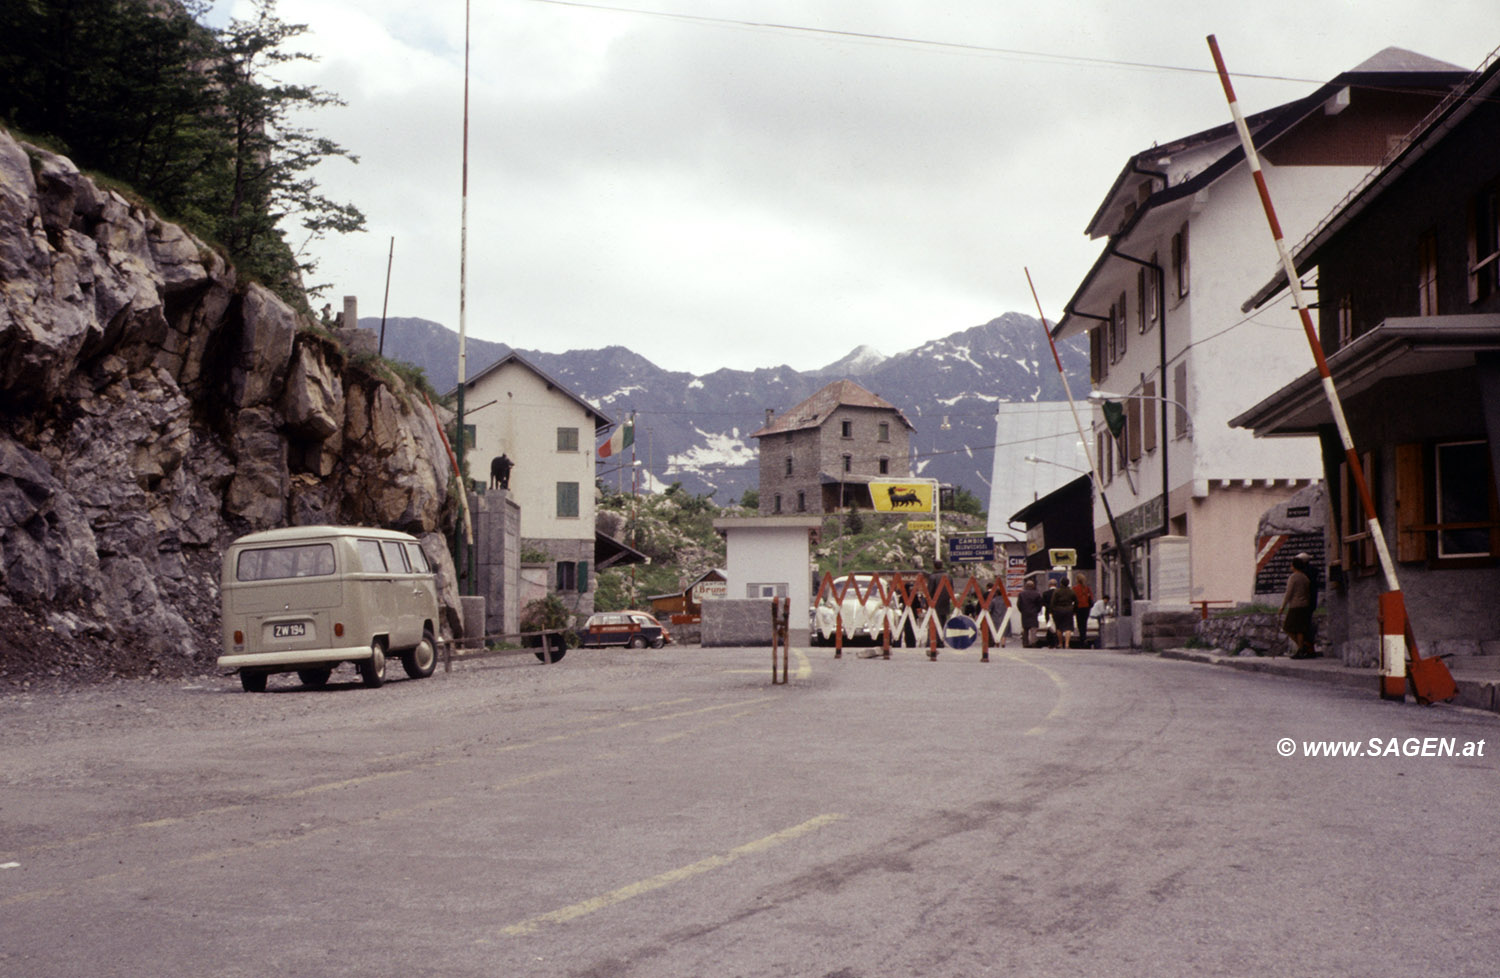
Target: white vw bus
304	599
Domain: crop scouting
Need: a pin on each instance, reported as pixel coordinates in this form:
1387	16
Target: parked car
305	599
632	629
863	620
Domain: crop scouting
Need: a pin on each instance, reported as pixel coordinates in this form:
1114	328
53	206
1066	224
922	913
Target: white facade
1187	241
1037	450
549	434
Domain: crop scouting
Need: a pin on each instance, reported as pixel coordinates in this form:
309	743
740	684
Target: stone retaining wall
1260	632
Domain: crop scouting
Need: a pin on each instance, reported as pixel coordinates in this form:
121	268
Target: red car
632	629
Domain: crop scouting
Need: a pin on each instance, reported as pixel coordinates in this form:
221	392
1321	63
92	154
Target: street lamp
1099	397
1037	460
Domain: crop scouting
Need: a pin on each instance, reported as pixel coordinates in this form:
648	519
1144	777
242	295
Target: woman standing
1085	602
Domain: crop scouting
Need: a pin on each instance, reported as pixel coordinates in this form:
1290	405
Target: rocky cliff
152	408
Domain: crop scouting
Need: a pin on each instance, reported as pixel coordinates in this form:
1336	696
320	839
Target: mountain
696	429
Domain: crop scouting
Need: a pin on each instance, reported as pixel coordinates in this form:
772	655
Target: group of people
1066	606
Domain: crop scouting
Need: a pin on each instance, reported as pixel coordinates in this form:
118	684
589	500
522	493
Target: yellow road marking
1058	681
698	868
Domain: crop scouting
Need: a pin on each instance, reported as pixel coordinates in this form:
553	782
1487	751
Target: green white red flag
622	439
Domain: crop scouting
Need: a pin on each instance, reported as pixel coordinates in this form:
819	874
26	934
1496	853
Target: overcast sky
730	195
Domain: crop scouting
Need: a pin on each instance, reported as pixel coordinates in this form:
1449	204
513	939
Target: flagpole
1088	447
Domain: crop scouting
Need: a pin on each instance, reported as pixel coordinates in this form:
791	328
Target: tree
269	160
143	92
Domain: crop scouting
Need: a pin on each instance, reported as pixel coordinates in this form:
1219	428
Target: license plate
298	630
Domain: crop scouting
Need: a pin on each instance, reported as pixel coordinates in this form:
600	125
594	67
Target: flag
1114	416
622	439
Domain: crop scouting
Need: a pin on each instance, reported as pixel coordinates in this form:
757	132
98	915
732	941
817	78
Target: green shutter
583	575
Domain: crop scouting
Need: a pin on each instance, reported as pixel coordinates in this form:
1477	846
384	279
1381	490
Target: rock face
152	408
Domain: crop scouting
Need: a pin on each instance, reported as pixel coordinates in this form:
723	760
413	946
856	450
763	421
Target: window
567	439
1180	261
801	501
1357	549
885	465
1117	325
776	505
1141	290
883	431
1427	275
1153	291
765	590
573	575
1463	494
418	559
567	499
370	560
1484	244
1179	388
1346	320
1150	410
1133	428
846	429
275	563
848	463
469	436
788	465
1445	503
395	556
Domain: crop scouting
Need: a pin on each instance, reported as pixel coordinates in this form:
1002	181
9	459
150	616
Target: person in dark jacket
1029	603
1064	612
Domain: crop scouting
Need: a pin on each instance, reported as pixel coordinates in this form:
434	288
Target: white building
548	433
1187	241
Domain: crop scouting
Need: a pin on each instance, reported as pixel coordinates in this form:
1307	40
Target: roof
1390	68
812	412
1481	86
1049	502
601	420
1405	347
293	533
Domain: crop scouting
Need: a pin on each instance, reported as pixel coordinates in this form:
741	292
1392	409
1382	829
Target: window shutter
1411	503
583	575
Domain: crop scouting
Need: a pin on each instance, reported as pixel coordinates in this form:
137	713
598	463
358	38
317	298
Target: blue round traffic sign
960	632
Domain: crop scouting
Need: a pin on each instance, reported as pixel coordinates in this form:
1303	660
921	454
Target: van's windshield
276	563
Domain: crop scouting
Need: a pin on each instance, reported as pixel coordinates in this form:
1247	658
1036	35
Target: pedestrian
1296	607
1064	612
1085	598
1049	624
942	597
1029	603
1002	613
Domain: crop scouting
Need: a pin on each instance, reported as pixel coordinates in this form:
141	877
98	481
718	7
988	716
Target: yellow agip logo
901	497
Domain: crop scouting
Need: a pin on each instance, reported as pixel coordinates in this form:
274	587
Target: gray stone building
824	453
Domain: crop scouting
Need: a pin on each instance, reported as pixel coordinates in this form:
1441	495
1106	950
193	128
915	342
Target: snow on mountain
695	429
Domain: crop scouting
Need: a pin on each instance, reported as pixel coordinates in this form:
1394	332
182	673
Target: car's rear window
279	563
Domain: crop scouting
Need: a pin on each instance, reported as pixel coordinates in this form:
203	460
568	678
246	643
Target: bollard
838	633
984	638
931	638
885	637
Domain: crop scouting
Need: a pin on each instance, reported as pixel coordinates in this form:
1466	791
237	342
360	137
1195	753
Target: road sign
1063	557
960	632
964	550
901	497
915	525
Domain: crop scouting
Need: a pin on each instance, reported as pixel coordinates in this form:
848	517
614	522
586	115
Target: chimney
769	413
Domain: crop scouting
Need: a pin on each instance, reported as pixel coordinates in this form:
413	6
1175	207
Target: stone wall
1259	633
737	621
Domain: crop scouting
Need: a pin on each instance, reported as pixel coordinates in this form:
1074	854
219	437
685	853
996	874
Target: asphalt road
671	813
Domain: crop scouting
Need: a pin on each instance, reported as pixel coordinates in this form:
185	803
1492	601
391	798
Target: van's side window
395	556
370	560
418	559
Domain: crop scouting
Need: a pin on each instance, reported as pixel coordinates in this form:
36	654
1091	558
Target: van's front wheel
420	661
372	670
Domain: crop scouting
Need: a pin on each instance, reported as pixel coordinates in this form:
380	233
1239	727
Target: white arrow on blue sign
960	632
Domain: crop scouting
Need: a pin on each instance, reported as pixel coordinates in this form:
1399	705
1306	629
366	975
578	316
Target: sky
750	183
